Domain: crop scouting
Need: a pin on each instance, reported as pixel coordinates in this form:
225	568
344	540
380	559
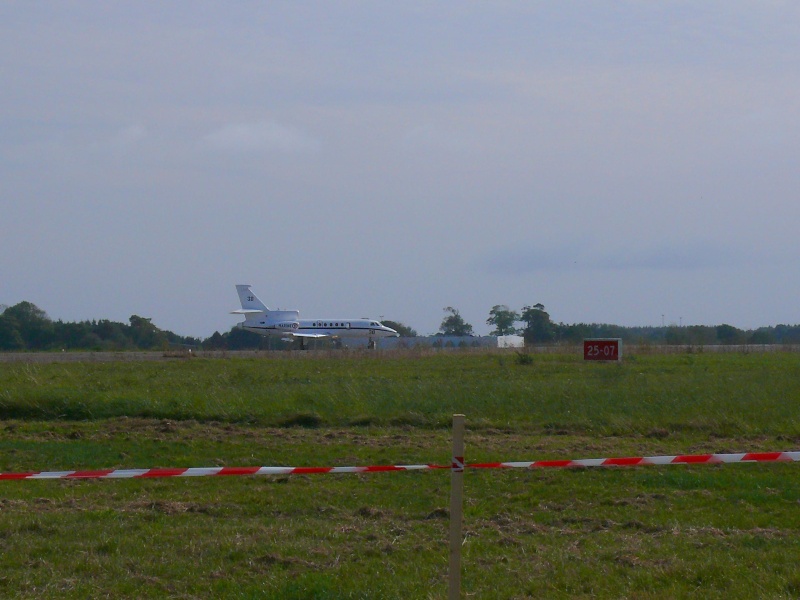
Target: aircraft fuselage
320	328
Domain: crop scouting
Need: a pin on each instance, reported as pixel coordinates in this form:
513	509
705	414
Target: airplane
288	325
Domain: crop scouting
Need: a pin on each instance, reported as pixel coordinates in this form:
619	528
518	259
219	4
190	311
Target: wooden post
456	506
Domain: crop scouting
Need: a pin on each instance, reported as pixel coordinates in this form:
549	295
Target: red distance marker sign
602	349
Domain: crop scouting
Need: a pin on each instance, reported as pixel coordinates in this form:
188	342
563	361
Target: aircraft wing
309	335
246	311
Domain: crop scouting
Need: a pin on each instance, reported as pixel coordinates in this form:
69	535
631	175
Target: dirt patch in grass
167	507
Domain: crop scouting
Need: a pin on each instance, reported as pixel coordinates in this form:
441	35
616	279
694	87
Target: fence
457	468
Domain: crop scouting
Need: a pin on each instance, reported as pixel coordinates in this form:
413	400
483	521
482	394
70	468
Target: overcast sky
618	162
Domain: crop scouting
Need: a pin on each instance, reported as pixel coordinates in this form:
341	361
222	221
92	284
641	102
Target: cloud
262	136
547	145
598	255
129	136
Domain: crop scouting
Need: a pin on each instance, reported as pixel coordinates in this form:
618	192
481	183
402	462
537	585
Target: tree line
26	327
533	323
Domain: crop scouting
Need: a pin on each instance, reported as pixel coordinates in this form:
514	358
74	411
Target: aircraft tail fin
250	302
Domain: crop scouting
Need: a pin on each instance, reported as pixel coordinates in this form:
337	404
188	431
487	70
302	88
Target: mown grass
712	393
712	531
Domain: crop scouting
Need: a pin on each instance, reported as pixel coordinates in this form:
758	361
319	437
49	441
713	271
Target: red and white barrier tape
457	465
207	471
633	461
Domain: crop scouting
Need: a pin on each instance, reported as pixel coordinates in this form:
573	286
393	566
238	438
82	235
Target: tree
701	334
241	339
32	324
577	332
113	335
403	330
675	336
76	335
10	337
503	319
454	324
145	334
761	336
215	342
728	334
787	334
538	328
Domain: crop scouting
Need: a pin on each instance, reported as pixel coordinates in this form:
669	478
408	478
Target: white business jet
288	325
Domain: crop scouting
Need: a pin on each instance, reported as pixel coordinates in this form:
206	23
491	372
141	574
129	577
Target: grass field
649	532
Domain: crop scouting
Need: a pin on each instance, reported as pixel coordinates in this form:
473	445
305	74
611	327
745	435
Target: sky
620	162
